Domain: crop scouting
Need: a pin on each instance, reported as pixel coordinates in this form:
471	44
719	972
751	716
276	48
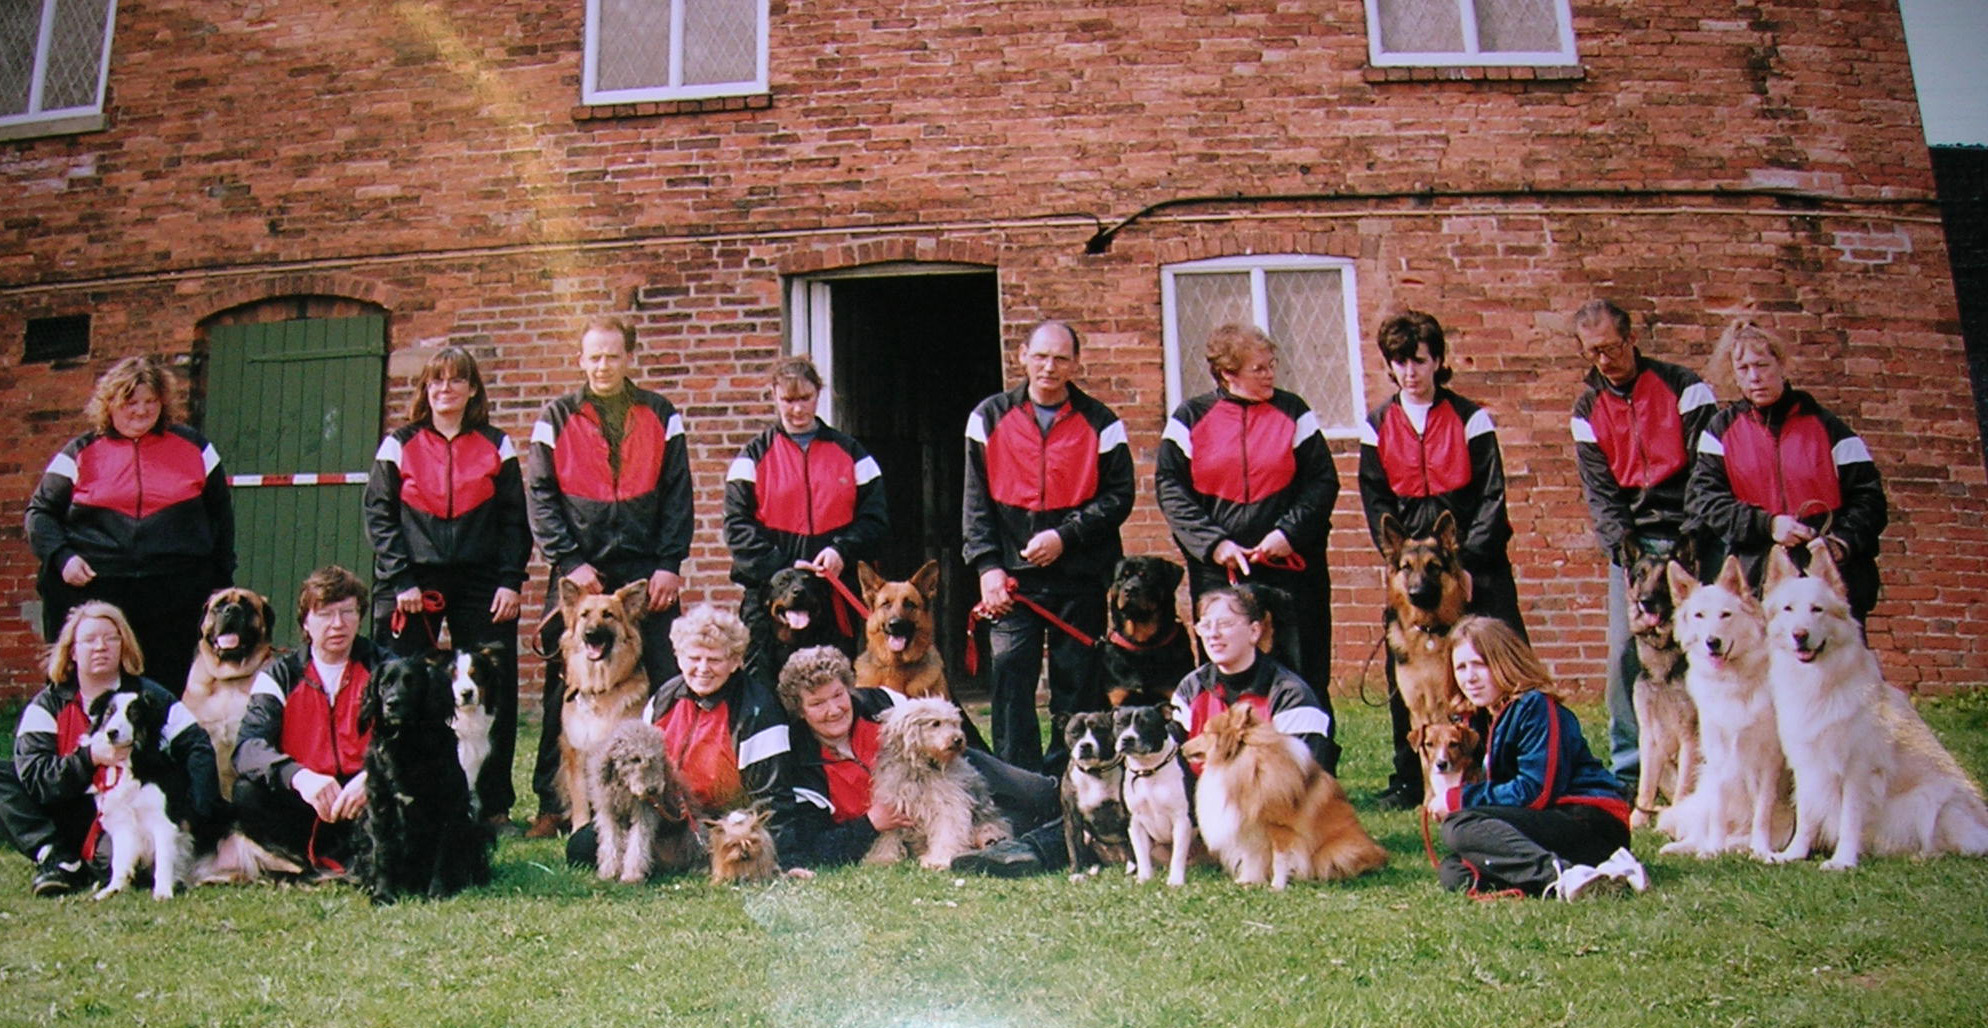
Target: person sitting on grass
1549	819
1232	623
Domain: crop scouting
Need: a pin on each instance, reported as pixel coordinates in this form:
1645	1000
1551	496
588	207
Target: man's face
1050	361
1608	350
604	359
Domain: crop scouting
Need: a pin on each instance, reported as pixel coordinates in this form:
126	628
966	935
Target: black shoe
1011	859
1398	797
56	876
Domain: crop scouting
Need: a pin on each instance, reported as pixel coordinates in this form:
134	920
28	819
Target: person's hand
1043	548
77	572
351	800
504	605
104	753
1789	532
320	791
586	578
886	817
1439	803
664	586
827	563
1273	546
995	600
408	600
1231	555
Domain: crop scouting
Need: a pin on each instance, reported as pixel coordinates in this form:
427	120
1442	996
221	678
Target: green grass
1724	942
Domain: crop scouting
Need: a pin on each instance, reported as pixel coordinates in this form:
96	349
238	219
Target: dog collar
1119	640
1166	757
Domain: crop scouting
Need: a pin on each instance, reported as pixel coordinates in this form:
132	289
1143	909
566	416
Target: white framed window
1470	32
54	65
1305	303
648	50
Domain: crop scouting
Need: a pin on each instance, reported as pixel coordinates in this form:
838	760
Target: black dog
424	840
1095	822
1146	652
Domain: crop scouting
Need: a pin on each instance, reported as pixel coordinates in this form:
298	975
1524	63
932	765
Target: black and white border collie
473	680
143	799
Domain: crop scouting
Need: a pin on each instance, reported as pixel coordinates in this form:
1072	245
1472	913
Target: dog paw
1078	876
107	892
1176	881
1839	864
631	878
935	863
1639	819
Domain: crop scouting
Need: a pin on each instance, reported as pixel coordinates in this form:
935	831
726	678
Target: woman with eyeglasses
1234	629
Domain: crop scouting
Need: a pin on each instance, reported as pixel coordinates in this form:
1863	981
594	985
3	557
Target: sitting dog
920	772
605	680
898	653
1867	769
1146	652
803	613
1156	791
1268	811
473	674
742	848
143	798
1095	821
1426	593
423	840
1666	719
1452	753
233	647
644	819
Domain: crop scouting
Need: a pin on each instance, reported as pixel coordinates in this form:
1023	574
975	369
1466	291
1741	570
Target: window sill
1474	73
661	108
69	126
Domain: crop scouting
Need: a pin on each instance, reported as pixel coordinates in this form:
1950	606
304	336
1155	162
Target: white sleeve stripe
1479	424
1709	443
1178	434
867	471
742	470
1183	712
178	719
1369	437
649	710
674	428
895	696
1695	395
1302	721
210	458
812	798
505	449
266	686
62	466
1112	437
389	451
1307	427
766	744
35	719
1851	451
1583	432
543	435
976	431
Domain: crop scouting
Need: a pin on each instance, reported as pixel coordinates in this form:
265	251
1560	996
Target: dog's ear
1391	538
1686	552
1170	574
570	594
1176	730
369	700
926	581
1823	566
634	598
1416	735
1632	551
1732	577
1780	568
1445	531
1682	583
867	577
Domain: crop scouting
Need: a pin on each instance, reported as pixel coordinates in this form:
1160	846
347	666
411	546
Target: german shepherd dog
1426	593
898	635
605	681
1666	719
233	647
1146	653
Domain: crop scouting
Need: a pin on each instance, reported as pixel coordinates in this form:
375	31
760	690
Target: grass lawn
1726	942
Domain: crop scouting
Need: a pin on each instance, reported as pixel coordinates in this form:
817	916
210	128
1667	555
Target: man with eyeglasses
1634	427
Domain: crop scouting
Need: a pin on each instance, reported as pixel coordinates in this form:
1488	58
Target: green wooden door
294	409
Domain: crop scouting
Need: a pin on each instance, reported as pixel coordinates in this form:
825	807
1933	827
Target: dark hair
1242	597
1594	312
608	323
325	586
450	362
1400	336
1076	341
795	369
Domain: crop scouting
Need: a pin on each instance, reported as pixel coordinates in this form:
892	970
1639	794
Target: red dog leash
103	780
1294	562
846	601
976	616
432	602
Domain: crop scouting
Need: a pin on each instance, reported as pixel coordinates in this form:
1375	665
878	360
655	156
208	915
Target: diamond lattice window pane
720	41
1203	303
20	23
76	53
633	44
1308	321
1506	26
1420	26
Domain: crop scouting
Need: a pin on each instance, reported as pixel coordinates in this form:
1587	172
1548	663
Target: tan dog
1267	810
742	848
605	681
1451	754
1426	592
1666	719
234	646
922	771
898	635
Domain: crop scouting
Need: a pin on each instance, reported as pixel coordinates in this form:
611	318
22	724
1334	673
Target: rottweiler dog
1146	652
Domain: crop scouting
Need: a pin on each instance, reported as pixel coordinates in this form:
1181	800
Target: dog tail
238	859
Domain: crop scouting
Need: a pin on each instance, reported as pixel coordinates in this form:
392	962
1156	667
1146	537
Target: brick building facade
940	175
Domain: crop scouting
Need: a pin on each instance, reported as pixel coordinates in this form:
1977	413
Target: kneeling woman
1549	819
1233	624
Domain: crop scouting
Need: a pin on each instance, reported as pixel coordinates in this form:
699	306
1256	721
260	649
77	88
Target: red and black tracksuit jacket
433	501
1237	469
582	512
1278	694
1075	478
1453	464
291	723
832	793
785	504
1537	757
1792	458
157	505
1633	447
55	770
730	748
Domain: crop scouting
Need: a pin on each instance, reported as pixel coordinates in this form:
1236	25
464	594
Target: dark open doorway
912	354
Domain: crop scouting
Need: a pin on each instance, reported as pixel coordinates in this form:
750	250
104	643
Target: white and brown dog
921	771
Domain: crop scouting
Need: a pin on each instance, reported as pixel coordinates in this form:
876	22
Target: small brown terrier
742	848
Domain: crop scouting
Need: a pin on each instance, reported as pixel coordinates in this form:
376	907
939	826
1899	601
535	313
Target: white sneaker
1579	881
1623	864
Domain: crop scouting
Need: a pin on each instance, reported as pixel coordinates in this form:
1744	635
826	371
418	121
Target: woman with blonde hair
136	512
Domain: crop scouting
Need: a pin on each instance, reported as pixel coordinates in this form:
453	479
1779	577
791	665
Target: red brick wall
430	160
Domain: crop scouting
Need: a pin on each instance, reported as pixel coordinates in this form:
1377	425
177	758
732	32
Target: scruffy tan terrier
742	848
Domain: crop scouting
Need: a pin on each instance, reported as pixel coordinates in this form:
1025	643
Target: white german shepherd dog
1739	793
1867	769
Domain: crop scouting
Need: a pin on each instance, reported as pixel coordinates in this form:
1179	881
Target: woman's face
1473	675
1758	374
1417	375
706	668
1228	636
137	413
98	648
827	711
1256	379
796	403
332	627
449	395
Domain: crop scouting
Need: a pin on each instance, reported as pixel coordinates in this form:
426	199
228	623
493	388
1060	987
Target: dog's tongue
897	643
227	640
594	652
796	619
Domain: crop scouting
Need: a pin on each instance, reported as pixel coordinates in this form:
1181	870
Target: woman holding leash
136	512
45	804
445	511
1247	486
1424	452
800	495
1776	468
1548	819
1232	623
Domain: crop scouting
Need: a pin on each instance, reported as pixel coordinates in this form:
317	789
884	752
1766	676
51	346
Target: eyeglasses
1217	626
1619	348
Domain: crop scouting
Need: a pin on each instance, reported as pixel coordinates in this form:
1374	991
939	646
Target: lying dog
473	675
644	819
1146	651
1268	811
898	653
1156	791
233	647
424	842
1452	753
919	771
143	799
1867	769
605	680
1426	593
1095	820
1666	719
742	848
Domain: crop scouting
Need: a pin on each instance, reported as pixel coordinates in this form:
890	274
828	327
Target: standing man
1048	482
1633	425
608	491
